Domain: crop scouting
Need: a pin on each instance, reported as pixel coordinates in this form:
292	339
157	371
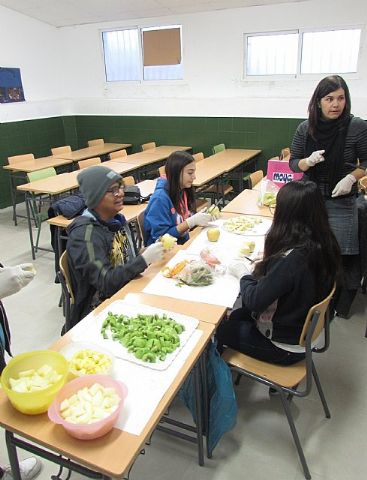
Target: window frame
298	75
141	80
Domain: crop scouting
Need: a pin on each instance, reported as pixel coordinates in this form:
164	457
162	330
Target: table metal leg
28	199
13	442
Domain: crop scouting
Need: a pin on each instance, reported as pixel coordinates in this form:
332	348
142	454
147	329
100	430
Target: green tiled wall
38	136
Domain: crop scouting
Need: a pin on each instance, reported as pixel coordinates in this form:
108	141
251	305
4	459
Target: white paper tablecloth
223	291
227	248
146	387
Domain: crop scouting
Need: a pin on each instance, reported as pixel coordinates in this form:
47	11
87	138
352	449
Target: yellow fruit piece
170	272
247	248
87	362
213	234
168	241
214	211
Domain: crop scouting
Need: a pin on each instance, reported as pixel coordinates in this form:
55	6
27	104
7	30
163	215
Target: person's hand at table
238	269
153	253
344	186
315	157
199	219
13	279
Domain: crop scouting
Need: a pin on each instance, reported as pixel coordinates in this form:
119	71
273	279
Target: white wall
35	48
212	54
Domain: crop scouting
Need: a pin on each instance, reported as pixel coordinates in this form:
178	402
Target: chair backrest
89	162
320	309
130	180
64	268
219	148
20	158
39	174
58	150
162	171
198	156
97	141
255	178
117	154
140	222
148	146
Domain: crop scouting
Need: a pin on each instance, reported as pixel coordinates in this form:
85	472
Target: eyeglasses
116	190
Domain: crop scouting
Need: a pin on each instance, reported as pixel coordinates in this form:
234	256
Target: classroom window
299	52
143	54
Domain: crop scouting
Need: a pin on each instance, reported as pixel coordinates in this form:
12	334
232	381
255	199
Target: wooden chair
58	150
17	179
97	141
254	178
148	146
286	379
68	298
198	156
88	162
130	180
201	204
117	154
20	158
162	171
140	223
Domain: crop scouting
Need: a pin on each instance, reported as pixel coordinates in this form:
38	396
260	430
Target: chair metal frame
67	294
286	379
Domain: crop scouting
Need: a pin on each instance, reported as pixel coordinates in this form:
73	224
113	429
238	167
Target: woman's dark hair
176	162
301	221
324	87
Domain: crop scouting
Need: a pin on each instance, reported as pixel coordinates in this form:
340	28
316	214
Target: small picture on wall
11	88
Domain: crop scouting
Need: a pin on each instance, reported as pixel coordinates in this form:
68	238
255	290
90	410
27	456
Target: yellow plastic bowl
33	403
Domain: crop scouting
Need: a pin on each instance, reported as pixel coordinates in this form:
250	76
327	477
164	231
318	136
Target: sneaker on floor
29	469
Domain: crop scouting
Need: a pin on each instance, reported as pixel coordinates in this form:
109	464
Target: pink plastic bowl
95	429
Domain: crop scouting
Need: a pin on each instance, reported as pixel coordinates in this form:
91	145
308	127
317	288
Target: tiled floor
260	446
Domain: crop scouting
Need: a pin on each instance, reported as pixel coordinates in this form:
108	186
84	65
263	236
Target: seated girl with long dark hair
171	208
300	265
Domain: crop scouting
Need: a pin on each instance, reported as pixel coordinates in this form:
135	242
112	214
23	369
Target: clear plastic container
73	347
33	403
92	430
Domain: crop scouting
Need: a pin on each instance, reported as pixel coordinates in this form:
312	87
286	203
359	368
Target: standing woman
331	149
173	202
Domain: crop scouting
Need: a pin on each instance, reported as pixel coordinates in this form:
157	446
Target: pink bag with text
280	173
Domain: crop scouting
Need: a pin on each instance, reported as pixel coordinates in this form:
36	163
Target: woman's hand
315	157
344	186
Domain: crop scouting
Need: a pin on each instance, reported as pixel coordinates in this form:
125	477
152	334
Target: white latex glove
238	269
344	186
200	219
315	157
12	279
153	253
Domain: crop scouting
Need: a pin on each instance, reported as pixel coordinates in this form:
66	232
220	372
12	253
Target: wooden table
18	175
95	151
246	204
55	186
112	454
215	167
144	160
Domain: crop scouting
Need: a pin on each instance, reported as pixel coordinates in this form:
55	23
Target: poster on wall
11	88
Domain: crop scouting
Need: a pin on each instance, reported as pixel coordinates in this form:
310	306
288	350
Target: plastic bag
222	400
196	274
268	194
